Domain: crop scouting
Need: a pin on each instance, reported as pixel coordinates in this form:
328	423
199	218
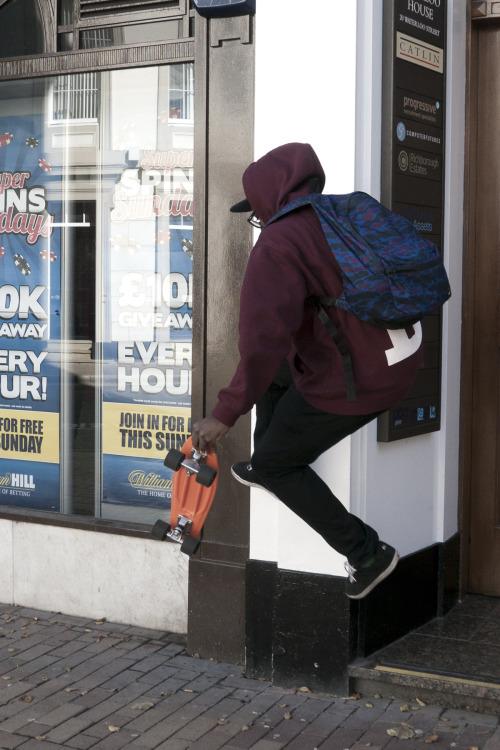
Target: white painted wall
408	489
303	97
124	579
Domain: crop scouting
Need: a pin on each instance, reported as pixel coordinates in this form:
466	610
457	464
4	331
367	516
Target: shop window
96	263
21	28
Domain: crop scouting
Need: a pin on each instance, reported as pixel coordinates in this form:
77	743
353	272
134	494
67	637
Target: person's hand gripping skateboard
206	432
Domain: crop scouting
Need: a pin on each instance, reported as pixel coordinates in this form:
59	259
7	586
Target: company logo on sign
150	484
403	161
420	53
139	478
16	482
418	163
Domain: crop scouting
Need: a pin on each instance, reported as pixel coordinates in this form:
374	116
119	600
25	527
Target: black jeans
290	434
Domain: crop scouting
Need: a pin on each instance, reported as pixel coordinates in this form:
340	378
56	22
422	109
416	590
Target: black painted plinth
301	629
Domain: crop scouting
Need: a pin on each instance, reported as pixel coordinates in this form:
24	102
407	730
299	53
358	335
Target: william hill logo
139	479
18	481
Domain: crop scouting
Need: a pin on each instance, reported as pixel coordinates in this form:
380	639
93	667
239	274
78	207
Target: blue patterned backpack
392	276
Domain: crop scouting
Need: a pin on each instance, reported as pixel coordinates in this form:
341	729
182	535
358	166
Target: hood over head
283	174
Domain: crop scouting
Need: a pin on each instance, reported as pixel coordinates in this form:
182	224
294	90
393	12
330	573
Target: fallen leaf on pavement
434	737
402	733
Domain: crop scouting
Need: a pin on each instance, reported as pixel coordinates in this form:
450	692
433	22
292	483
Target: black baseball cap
241	207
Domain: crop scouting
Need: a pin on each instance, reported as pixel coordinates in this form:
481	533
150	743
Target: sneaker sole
377	580
250	484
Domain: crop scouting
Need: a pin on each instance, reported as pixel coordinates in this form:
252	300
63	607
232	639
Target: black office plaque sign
413	173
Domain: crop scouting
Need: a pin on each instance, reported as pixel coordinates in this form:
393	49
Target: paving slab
72	683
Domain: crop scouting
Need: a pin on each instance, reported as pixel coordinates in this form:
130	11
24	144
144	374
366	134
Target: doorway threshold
453	661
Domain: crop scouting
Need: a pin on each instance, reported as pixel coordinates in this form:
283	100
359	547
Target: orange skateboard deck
193	489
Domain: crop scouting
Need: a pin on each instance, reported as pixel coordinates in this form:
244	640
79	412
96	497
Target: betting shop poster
30	287
148	326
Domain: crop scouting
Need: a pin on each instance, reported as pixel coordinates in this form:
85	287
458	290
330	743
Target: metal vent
96	8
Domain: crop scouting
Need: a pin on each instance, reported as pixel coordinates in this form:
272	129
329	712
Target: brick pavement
69	682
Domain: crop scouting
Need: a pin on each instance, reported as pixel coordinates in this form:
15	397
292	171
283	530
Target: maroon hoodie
290	262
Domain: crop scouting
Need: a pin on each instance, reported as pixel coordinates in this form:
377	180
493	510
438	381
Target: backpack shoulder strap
297	203
334	333
333	205
319	301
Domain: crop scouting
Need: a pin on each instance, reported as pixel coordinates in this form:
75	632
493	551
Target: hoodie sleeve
271	311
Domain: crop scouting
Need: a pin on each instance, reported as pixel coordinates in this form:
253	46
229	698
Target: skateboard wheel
206	476
174	459
190	545
160	530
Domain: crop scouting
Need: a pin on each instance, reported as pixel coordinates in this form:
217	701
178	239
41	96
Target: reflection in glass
96	259
21	29
65	12
76	97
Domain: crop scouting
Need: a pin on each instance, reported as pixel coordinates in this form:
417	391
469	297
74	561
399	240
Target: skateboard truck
195	464
181	530
180	534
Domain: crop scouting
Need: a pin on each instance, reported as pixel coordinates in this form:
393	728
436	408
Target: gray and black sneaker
362	580
244	473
